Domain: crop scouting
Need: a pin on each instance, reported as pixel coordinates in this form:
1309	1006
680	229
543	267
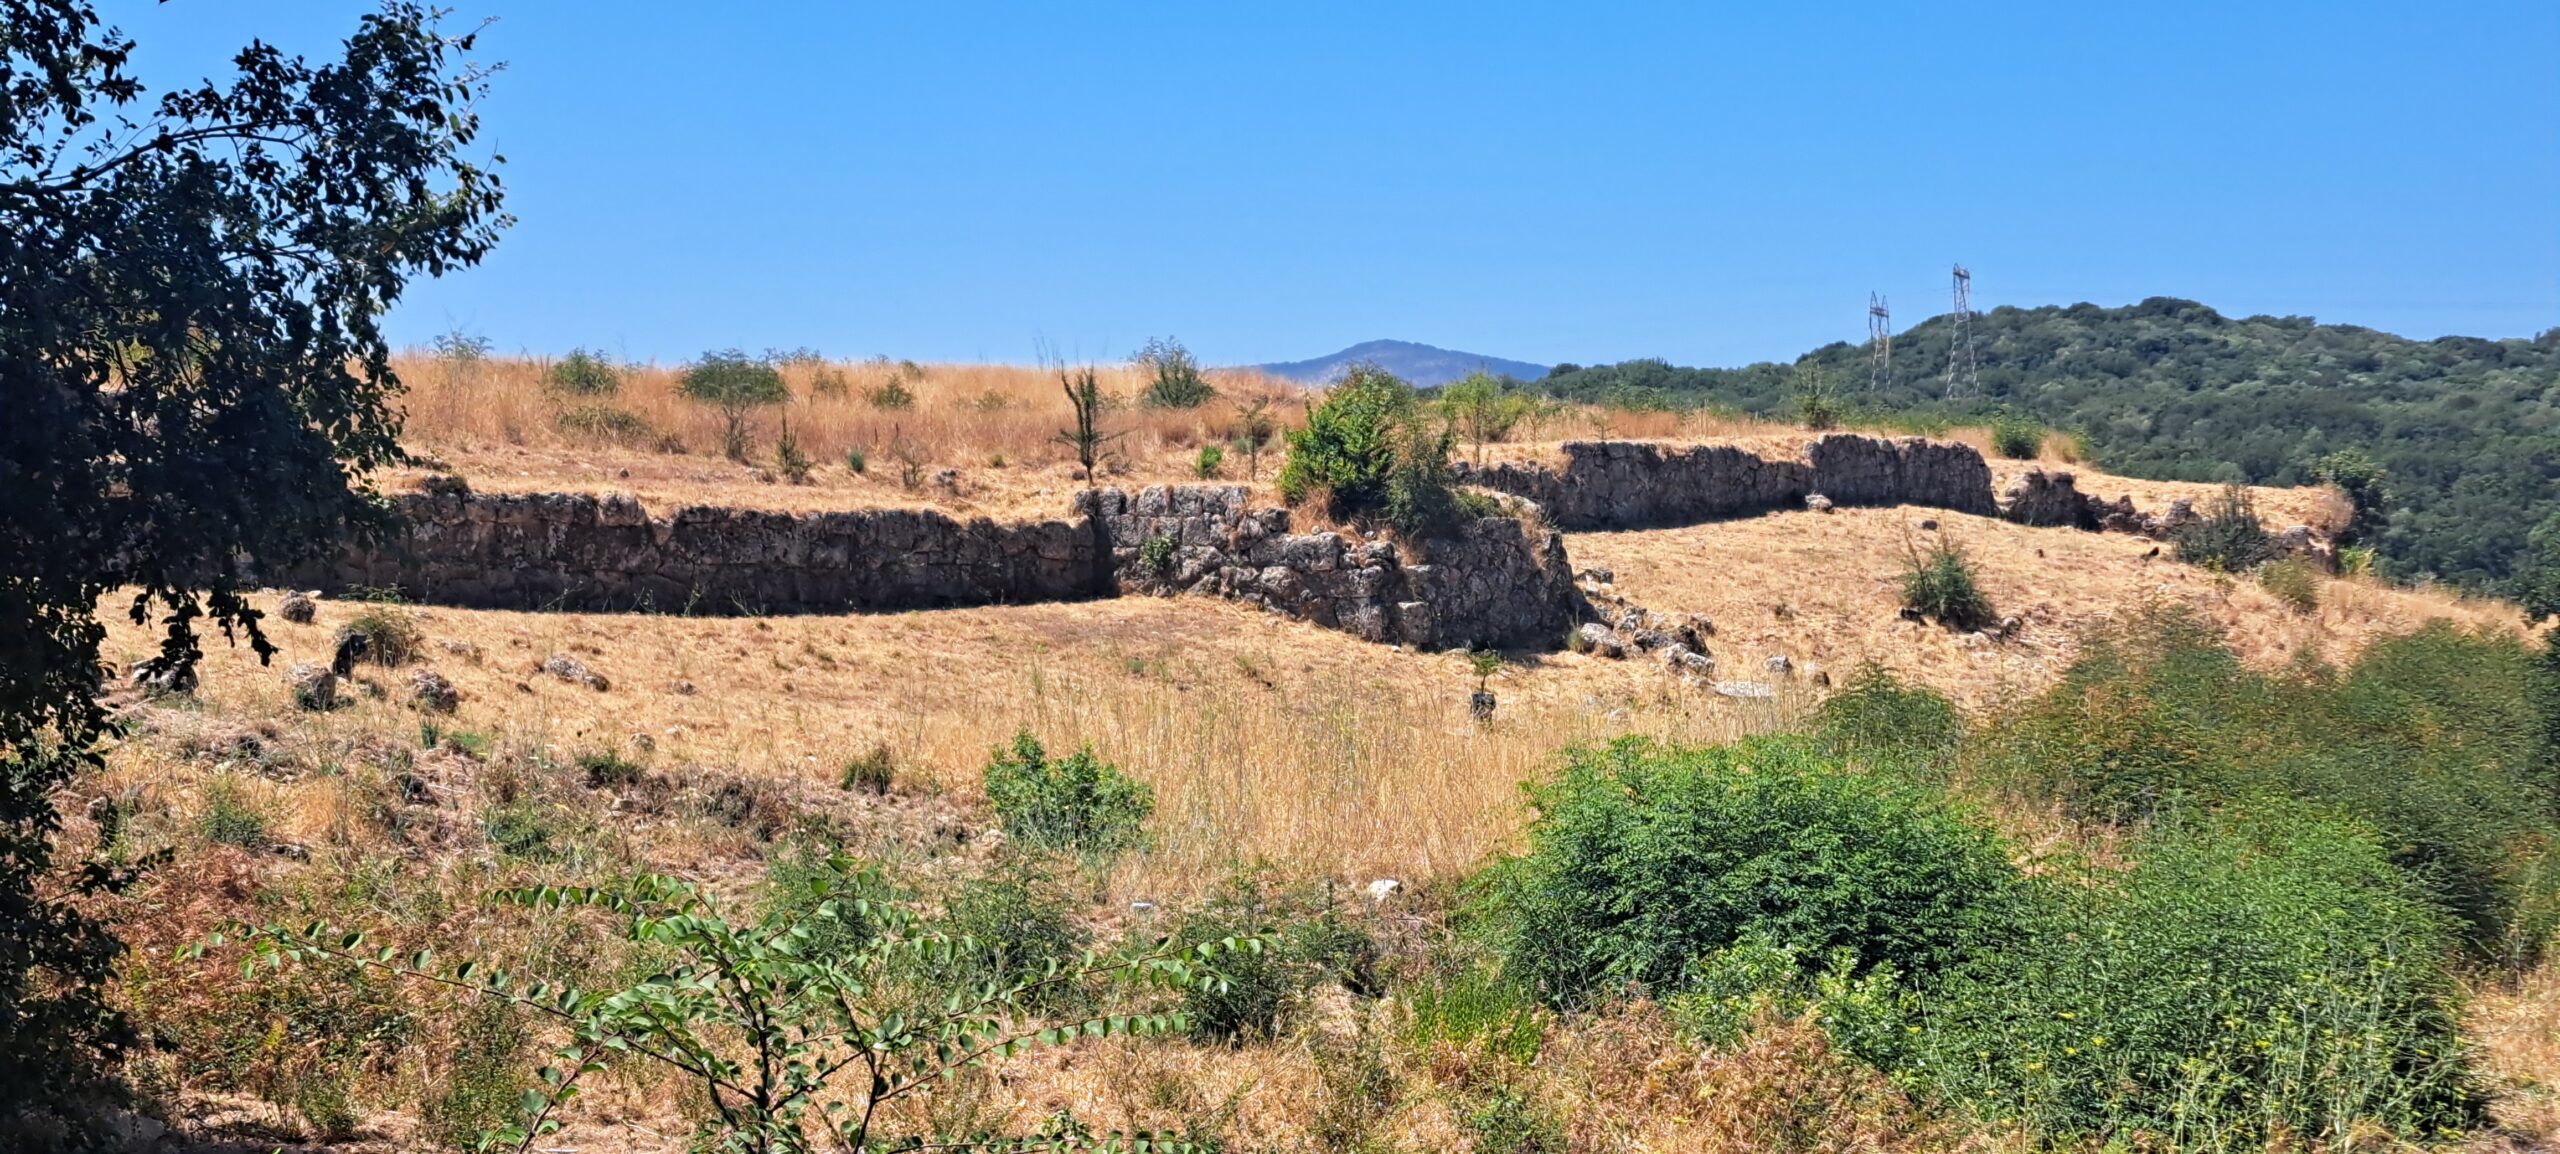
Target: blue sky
1713	184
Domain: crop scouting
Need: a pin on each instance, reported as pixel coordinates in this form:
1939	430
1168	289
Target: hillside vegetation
2466	430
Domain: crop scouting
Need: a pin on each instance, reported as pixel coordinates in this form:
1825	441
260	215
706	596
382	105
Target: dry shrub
2516	1028
1783	1086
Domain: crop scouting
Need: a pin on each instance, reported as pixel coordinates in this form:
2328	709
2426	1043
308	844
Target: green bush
606	769
2293	581
857	461
1362	449
1173	377
603	423
1007	924
2229	538
788	460
483	1076
1643	858
1475	1005
2016	437
1156	555
2433	738
1816	397
1874	717
825	895
230	817
1210	460
1306	942
1939	582
1079	802
584	374
2252	979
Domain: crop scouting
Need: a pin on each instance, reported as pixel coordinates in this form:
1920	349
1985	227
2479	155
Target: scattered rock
568	668
1599	575
461	649
683	688
299	607
1384	888
1480	703
2010	625
428	690
1779	664
1976	639
1142	909
1928	524
315	688
1746	690
1598	640
1912	615
444	485
1817	502
1630	620
1683	659
1650	640
947	479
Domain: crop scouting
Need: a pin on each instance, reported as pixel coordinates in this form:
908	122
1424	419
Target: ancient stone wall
1627	484
585	553
1490	582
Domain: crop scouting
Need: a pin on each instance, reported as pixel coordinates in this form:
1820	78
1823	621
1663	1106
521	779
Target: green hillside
2468	429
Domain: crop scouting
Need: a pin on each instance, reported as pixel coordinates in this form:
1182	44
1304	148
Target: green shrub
1421	495
788	460
891	394
483	1076
1008	923
2229	538
230	817
2433	738
1306	942
2252	980
2364	483
1173	377
603	423
391	633
1350	443
736	385
1643	858
1874	717
1210	460
827	896
1816	397
584	374
1156	555
2016	437
1076	803
2293	581
1475	1005
1939	582
519	829
857	460
606	769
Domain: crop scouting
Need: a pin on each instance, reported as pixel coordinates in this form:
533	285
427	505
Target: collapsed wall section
1488	582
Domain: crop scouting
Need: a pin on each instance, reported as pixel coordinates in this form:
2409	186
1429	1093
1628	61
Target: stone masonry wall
1491	582
1625	484
584	553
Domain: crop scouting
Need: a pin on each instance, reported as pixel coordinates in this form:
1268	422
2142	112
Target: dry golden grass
1826	588
1263	738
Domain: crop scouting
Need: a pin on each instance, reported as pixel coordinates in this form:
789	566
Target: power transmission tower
1962	378
1879	343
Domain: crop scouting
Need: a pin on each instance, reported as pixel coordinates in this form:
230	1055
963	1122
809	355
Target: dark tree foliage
2466	430
193	382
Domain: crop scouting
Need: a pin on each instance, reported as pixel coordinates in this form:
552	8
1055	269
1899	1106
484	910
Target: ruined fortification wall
587	553
1490	582
1625	484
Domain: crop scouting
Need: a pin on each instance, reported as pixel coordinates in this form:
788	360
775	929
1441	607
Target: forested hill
2468	429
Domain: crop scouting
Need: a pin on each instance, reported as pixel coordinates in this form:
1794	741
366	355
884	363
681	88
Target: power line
1879	343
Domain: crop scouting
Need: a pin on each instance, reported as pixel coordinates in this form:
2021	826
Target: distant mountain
1421	364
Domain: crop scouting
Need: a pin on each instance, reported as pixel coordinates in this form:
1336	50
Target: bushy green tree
1642	858
1483	409
736	385
584	374
1371	449
1940	582
2356	475
193	379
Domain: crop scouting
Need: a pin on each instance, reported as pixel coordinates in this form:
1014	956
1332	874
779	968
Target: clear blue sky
1713	184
